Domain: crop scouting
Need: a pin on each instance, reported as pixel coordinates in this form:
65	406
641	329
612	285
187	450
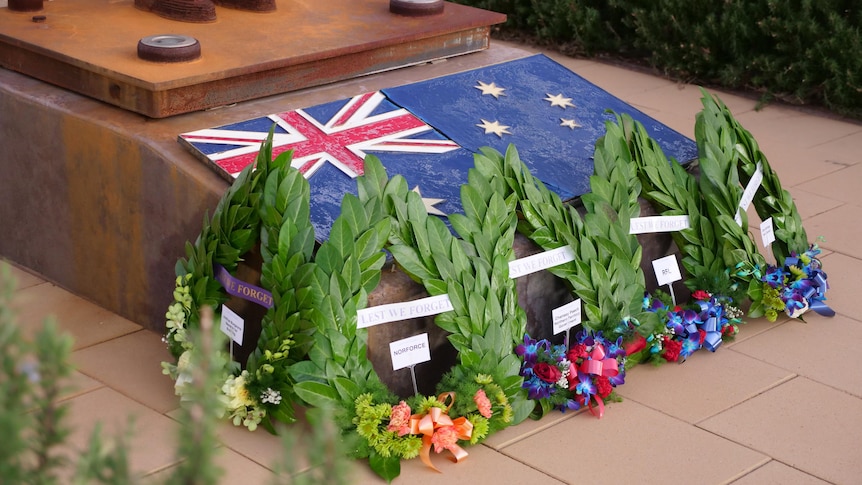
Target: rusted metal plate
90	47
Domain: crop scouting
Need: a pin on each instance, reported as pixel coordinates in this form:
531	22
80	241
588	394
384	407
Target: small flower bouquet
796	287
584	375
707	321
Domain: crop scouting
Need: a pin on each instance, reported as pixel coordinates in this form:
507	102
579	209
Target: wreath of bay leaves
606	273
268	203
770	200
674	191
484	325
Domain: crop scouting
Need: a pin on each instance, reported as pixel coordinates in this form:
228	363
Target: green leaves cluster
771	200
348	268
674	192
606	273
721	190
486	322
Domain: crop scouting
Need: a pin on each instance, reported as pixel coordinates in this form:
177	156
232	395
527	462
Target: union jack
367	122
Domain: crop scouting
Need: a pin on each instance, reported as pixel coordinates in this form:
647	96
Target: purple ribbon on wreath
711	315
817	293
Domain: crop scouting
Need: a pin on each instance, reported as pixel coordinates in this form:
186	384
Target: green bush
801	51
34	428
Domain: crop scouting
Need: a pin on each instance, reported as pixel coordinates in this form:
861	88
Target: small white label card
232	324
538	262
643	225
767	232
393	312
666	270
566	316
410	351
750	190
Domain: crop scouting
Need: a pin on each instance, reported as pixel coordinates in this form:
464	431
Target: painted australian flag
428	132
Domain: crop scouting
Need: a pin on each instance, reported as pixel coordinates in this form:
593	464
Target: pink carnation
399	420
483	404
444	438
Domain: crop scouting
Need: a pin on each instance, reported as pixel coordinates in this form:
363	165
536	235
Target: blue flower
529	350
585	385
690	345
537	388
774	276
570	404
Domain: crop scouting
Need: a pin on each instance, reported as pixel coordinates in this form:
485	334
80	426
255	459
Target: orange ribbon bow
437	428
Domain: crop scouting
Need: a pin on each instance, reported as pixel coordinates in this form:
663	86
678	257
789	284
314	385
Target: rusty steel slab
90	47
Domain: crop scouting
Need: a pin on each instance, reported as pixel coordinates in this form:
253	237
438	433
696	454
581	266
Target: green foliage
33	418
803	51
606	272
770	200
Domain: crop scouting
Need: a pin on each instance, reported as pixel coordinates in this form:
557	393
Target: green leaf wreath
606	274
482	393
268	203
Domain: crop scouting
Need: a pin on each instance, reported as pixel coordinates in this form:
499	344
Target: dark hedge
800	51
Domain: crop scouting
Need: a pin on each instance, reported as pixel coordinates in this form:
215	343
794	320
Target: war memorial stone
103	197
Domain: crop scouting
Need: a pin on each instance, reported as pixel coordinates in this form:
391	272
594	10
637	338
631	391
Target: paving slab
634	444
777	473
793	347
710	382
802	423
131	364
87	323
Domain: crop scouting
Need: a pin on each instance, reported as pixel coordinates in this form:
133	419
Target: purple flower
774	276
585	385
536	388
529	350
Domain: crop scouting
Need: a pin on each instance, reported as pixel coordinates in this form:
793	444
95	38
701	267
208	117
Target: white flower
238	395
798	312
271	396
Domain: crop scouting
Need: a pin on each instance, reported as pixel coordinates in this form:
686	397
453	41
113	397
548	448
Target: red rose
547	372
702	333
636	345
701	295
578	351
671	350
603	386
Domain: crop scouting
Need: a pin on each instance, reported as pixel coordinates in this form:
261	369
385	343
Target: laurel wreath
606	273
484	324
268	203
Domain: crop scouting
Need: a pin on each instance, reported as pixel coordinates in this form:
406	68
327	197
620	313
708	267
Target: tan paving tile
704	385
23	278
483	465
88	324
794	127
235	469
131	364
839	228
754	326
840	185
152	445
794	346
527	428
777	473
810	204
259	446
80	384
634	444
795	165
802	423
844	278
844	150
